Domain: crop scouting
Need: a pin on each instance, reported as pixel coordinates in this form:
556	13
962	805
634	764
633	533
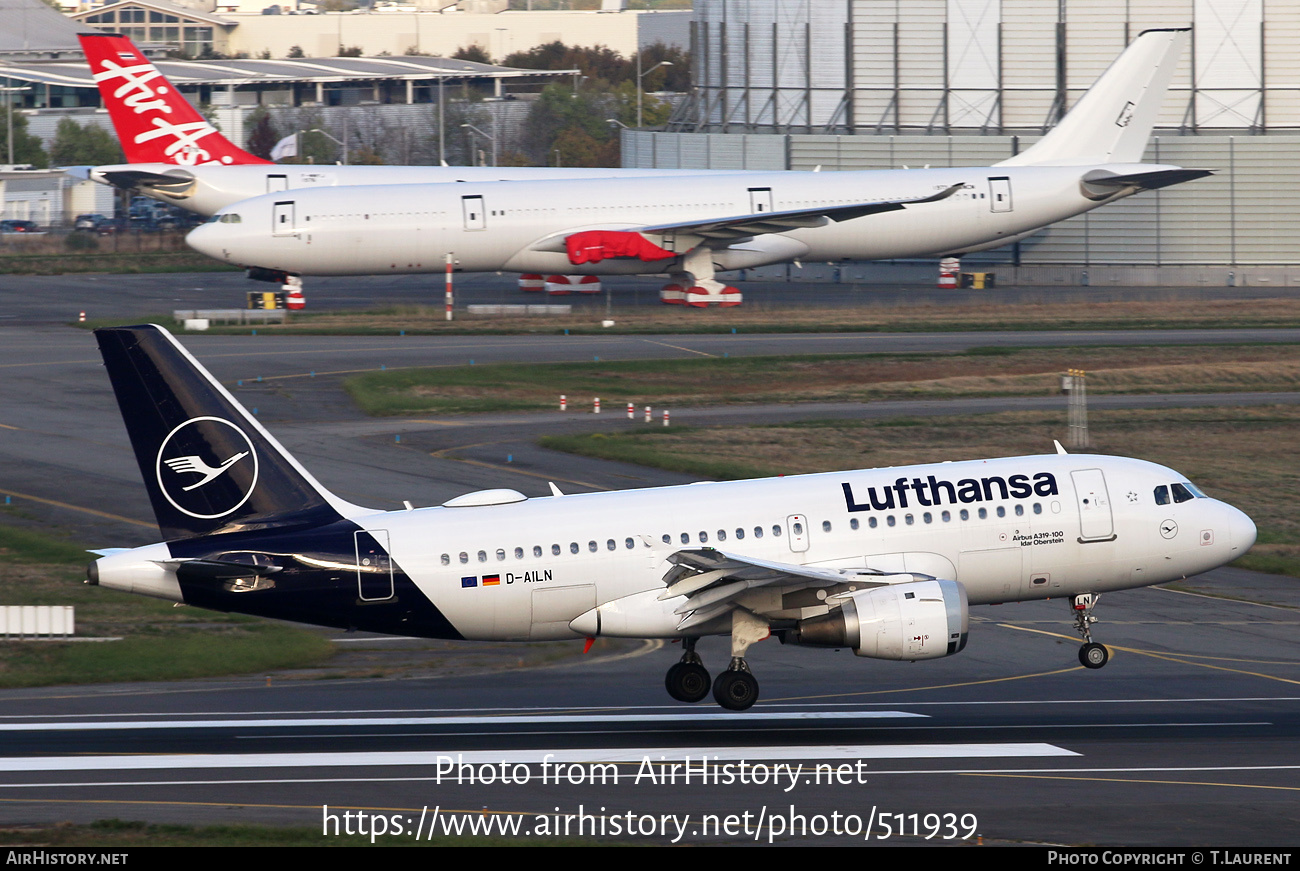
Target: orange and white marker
596	408
564	402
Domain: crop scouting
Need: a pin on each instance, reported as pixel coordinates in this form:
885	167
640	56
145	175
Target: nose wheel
1094	655
688	680
1091	654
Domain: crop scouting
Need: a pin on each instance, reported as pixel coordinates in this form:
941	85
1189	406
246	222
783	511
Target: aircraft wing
741	226
711	582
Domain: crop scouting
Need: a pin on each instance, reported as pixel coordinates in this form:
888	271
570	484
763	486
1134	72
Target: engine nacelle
917	620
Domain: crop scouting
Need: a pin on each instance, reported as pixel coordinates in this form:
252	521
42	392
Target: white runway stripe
545	719
534	757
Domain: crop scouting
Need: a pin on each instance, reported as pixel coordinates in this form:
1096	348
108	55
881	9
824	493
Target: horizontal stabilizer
1147	181
135	179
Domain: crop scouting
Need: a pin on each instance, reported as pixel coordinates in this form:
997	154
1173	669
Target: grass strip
1041	311
826	378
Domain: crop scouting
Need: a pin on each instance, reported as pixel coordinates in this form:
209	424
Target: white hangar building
878	84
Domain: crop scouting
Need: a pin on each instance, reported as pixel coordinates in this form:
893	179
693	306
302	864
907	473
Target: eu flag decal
471	581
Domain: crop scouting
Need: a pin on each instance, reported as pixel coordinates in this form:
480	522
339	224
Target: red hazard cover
593	246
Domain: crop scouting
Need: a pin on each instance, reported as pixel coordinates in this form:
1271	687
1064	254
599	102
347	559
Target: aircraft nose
205	238
1242	529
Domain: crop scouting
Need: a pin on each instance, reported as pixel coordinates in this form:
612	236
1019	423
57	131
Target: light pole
343	144
487	136
641	75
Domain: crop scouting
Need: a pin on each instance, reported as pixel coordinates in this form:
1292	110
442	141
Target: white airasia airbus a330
886	562
177	156
692	227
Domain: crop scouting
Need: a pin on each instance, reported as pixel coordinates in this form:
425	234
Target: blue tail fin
208	465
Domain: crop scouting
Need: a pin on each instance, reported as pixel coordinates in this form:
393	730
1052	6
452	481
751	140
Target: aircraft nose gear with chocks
1091	654
688	680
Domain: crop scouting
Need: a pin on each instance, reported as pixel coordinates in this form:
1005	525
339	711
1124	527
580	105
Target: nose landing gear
1091	654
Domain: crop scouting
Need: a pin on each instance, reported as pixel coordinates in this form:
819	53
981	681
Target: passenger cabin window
555	550
537	550
740	533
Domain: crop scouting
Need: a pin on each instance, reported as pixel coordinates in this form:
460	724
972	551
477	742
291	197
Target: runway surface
1189	735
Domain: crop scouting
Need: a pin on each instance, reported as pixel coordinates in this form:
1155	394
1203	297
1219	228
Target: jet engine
917	620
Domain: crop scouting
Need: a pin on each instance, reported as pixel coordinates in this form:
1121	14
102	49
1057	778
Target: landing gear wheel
735	690
1094	655
687	682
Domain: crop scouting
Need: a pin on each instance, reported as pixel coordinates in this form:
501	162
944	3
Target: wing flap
712	582
758	223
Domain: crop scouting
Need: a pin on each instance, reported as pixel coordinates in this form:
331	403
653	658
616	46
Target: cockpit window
230	218
1181	493
1162	495
1196	491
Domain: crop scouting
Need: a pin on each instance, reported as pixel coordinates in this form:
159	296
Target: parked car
88	222
26	228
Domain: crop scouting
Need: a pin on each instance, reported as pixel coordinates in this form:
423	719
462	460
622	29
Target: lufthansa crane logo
207	467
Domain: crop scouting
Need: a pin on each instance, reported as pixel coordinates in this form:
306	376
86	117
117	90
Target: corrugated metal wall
1244	214
942	65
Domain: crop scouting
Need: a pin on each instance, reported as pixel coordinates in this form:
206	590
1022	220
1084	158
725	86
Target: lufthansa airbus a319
886	562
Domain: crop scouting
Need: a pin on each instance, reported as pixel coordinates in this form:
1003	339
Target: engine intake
918	620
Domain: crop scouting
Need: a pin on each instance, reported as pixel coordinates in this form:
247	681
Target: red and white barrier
561	285
631	411
530	282
647	414
564	402
701	295
948	269
596	406
665	417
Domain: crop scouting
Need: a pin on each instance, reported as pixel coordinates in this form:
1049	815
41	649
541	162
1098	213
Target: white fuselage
1100	531
519	226
206	189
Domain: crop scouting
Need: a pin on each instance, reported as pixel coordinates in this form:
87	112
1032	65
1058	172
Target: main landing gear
688	680
735	689
1091	654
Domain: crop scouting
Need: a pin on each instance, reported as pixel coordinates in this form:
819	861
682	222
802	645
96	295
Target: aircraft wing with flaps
712	582
756	224
593	244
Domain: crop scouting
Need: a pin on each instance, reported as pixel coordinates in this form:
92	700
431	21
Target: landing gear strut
688	680
1091	654
736	689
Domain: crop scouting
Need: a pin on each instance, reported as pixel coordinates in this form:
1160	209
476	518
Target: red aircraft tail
153	121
